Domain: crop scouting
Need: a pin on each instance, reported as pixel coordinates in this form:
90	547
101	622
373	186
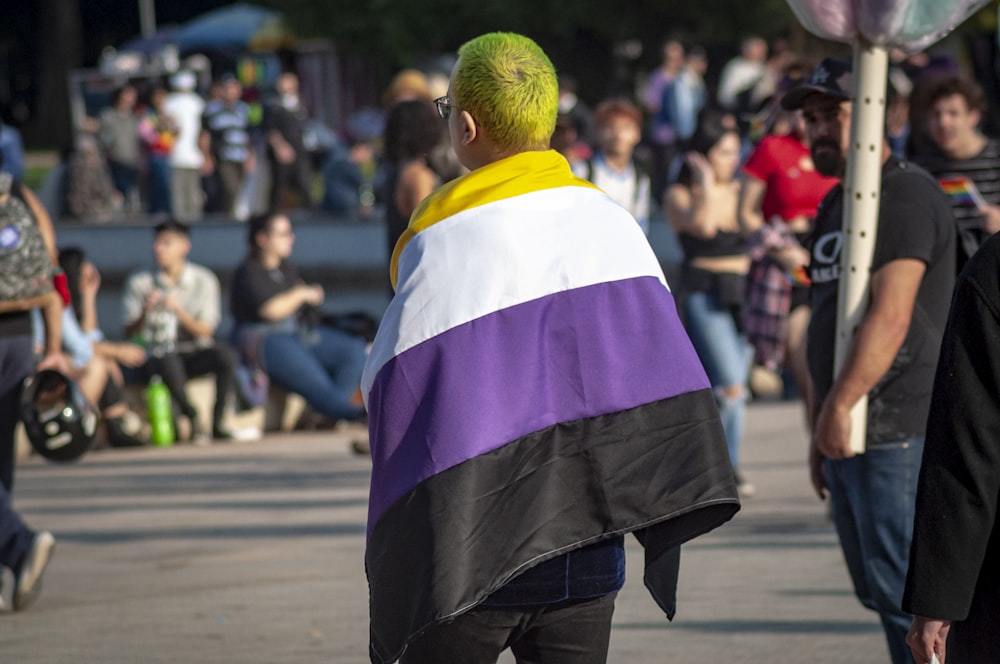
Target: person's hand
208	165
791	257
153	300
991	218
171	304
313	294
56	362
284	152
90	280
832	433
250	165
703	173
926	637
816	475
131	355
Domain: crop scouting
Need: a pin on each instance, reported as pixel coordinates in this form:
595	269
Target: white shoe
29	580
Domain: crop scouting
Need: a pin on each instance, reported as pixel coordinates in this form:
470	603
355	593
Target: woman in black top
702	207
277	328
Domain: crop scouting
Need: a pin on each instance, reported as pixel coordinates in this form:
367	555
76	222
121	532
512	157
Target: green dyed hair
509	86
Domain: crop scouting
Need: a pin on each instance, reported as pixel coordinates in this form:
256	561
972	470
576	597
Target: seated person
278	329
173	310
93	360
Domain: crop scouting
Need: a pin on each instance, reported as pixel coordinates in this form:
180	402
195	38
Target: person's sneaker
744	488
244	434
28	582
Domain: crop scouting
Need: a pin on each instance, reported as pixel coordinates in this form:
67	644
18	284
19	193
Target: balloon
910	25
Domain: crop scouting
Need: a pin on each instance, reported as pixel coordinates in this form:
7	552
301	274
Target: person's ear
470	131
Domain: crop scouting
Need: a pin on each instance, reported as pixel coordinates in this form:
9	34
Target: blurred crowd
689	144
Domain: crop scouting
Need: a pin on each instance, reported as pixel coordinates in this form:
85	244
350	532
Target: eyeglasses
444	107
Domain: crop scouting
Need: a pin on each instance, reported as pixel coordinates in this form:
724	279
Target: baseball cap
831	76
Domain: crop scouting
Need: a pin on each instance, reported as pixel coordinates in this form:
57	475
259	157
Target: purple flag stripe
580	353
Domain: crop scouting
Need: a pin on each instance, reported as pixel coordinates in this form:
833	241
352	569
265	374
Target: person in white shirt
742	72
613	168
185	107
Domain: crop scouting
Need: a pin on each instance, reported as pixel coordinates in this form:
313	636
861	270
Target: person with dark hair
702	208
225	143
279	329
891	354
24	551
966	163
174	310
284	126
661	136
119	139
411	131
94	355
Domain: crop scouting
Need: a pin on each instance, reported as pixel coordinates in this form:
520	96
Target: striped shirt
984	171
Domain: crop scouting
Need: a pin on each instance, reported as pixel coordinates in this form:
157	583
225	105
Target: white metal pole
862	191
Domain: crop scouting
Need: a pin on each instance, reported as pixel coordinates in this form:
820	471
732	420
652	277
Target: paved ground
253	553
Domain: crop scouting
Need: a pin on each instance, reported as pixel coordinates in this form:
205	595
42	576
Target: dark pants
231	180
176	368
292	178
124	177
573	632
16	363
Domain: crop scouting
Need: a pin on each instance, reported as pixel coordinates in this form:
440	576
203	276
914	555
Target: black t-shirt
287	122
253	285
915	221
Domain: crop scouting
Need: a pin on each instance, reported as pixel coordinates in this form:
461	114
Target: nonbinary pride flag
530	391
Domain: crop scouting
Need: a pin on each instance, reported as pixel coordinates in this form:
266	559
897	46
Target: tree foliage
579	35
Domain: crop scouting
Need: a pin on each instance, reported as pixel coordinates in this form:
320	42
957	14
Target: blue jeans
321	365
159	183
725	354
16	363
872	499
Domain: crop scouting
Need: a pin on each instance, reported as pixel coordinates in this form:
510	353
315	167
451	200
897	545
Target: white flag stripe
506	253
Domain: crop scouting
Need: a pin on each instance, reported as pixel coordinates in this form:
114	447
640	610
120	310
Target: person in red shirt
778	199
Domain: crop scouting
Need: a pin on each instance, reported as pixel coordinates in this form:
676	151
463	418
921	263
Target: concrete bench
280	413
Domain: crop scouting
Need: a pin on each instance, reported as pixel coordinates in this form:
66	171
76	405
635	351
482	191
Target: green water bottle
160	417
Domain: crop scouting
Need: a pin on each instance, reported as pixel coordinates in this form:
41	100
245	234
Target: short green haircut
509	86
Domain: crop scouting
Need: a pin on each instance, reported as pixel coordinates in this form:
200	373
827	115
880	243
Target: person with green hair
532	397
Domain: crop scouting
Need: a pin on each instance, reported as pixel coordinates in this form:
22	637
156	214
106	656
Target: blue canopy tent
239	27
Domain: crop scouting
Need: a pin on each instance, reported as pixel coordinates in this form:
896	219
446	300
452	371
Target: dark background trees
605	44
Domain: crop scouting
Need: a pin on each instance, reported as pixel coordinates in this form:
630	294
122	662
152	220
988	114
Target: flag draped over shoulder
530	391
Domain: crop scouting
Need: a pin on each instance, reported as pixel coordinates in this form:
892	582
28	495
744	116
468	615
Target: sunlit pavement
253	552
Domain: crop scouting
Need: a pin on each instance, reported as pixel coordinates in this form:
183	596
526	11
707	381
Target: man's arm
879	337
